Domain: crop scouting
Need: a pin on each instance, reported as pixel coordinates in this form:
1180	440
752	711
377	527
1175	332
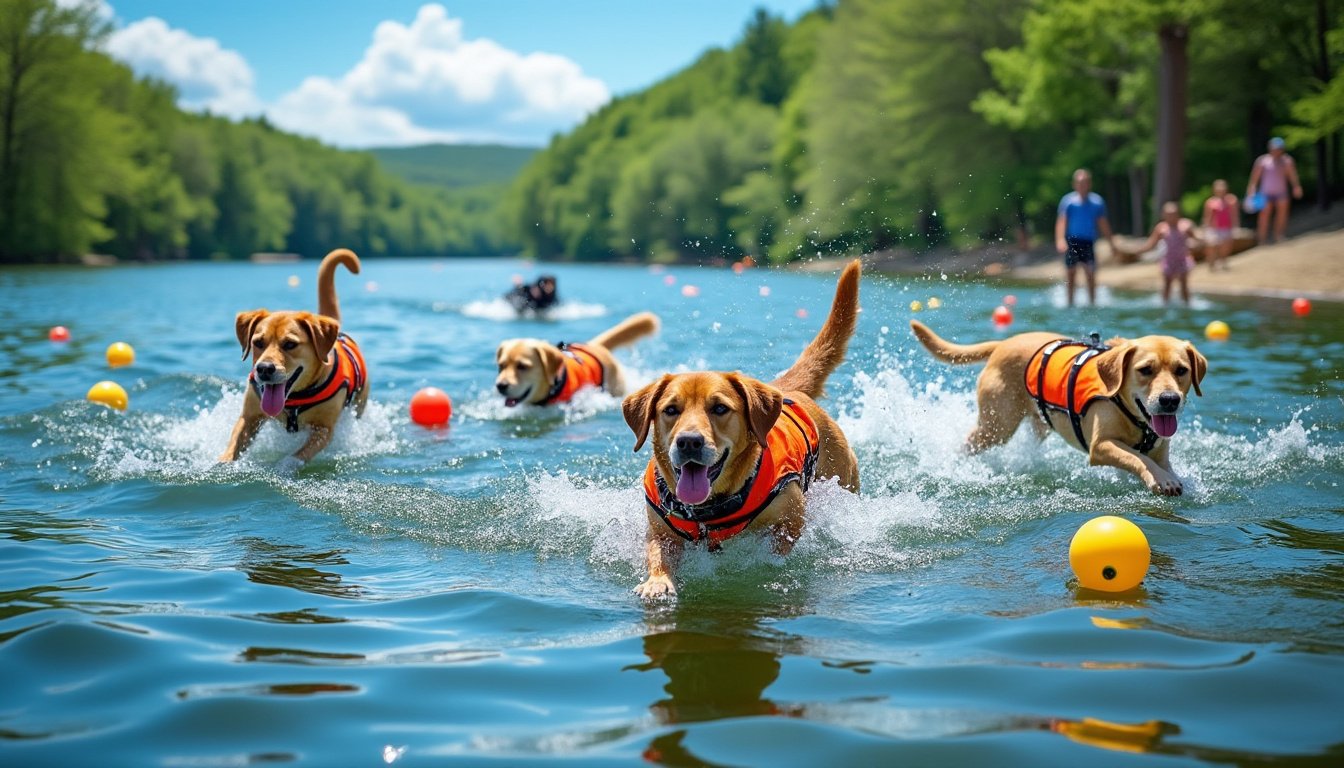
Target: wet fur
752	406
1003	401
527	367
263	334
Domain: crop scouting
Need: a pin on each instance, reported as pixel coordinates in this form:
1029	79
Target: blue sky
399	72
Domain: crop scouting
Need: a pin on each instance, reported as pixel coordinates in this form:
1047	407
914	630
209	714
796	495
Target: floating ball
108	393
59	333
1002	316
801	313
935	302
1217	331
1301	307
430	407
1010	300
293	281
119	353
915	306
1110	554
739	267
764	290
690	291
669	279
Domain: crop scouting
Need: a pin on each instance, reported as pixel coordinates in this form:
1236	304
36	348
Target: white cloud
207	75
428	82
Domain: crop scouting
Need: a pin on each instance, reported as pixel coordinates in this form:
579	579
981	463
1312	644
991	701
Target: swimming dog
1118	401
734	454
304	369
540	373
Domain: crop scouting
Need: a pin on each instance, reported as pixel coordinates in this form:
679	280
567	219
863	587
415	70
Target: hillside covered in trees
94	160
871	124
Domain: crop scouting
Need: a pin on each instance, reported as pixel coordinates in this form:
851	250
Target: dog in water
734	454
540	373
1119	402
304	369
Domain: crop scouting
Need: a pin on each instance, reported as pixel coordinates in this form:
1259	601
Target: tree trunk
1322	74
1173	76
1138	183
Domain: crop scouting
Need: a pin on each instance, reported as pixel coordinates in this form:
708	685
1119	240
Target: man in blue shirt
1082	214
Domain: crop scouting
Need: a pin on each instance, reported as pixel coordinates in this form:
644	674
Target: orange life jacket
347	372
789	456
1062	377
581	369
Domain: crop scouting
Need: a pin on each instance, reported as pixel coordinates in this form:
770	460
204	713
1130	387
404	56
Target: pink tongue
1164	425
693	484
272	399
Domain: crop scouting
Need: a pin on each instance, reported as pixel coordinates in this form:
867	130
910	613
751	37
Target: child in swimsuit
1175	233
1220	218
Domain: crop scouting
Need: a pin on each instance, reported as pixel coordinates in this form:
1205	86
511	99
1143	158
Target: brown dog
731	453
302	367
1121	408
540	373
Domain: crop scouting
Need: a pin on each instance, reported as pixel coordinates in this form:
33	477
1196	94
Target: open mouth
273	395
1164	424
512	401
694	480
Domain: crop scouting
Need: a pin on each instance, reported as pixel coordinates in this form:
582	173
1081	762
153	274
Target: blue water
463	596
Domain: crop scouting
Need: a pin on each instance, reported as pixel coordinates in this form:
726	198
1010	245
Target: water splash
502	311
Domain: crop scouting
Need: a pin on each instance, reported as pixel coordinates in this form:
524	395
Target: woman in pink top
1220	218
1175	232
1272	173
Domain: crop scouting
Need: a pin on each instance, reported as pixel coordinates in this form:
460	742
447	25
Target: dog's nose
688	442
265	370
502	387
1169	401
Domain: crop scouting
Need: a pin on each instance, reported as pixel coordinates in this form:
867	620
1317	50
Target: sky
362	73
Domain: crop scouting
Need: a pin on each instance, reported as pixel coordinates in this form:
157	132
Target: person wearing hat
1273	174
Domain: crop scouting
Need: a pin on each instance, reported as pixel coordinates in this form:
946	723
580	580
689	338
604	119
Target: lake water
463	596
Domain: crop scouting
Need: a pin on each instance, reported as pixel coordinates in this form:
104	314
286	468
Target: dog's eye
1181	370
289	345
1146	370
671	410
718	409
258	343
524	366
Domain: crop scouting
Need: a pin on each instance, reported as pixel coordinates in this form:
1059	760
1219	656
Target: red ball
430	407
1301	307
59	333
1002	315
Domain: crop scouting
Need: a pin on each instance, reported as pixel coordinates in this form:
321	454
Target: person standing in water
1176	233
1219	220
1274	174
1082	216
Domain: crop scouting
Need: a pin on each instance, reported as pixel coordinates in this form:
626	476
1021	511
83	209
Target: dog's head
1154	373
527	368
708	429
289	350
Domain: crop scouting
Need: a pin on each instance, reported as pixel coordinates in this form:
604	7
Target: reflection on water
289	565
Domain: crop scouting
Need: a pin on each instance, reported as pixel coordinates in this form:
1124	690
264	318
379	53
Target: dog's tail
948	352
809	372
327	305
628	331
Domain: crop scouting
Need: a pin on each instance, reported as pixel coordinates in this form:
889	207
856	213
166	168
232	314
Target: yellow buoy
1217	331
935	302
915	306
120	354
109	393
1110	554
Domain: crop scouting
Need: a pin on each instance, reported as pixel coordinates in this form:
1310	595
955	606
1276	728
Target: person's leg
1091	270
1281	219
1224	252
1166	290
1070	280
1185	288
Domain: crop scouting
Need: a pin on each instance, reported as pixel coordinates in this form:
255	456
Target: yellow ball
1110	554
119	354
935	302
293	281
1217	330
915	306
109	393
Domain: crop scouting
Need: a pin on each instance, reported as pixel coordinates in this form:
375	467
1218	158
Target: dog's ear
638	408
322	330
1111	367
243	325
762	403
1198	366
552	360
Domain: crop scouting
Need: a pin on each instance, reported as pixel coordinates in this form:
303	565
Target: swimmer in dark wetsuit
536	297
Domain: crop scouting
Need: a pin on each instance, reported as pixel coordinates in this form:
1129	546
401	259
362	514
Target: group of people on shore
1081	220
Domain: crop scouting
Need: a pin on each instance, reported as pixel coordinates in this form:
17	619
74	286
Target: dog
540	373
304	369
734	454
1121	409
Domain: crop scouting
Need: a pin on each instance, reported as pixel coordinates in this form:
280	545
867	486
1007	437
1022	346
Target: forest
864	125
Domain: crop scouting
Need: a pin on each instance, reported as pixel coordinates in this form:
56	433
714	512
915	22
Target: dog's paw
289	466
1165	484
657	588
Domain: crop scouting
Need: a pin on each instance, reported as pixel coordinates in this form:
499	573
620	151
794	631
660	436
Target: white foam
500	310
